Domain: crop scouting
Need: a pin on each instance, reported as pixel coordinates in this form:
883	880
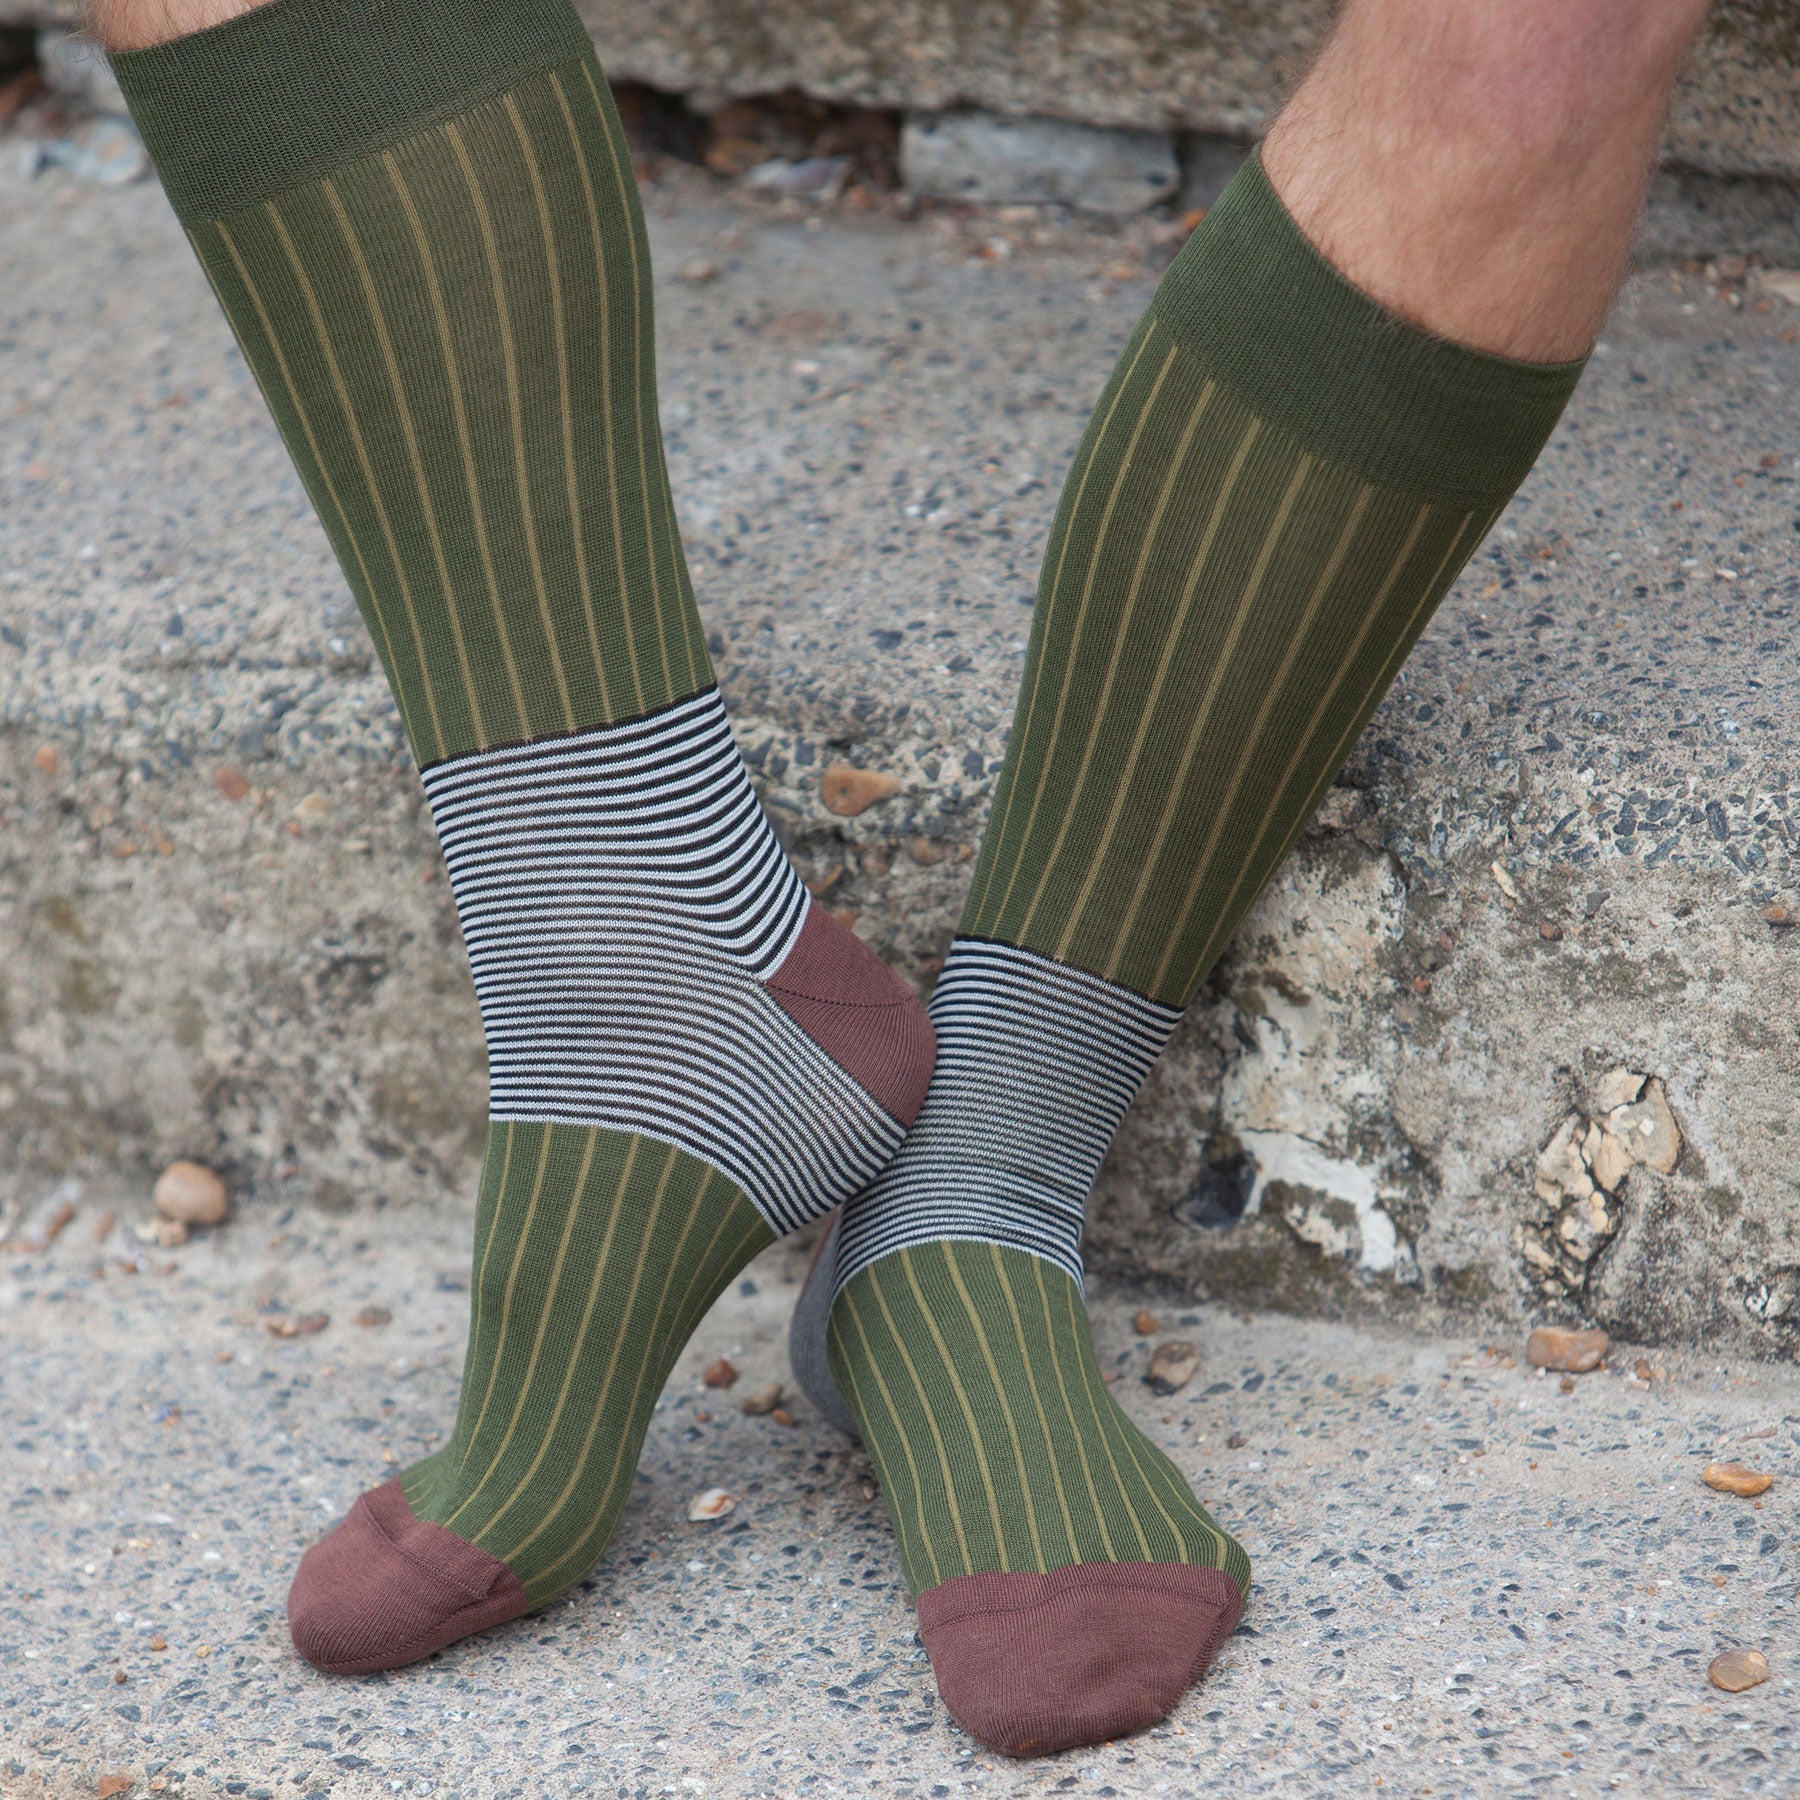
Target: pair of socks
423	227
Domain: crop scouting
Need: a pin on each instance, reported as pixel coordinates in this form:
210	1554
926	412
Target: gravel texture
1468	1581
223	928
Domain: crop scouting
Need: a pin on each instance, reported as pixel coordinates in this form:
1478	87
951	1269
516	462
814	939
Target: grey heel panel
806	1335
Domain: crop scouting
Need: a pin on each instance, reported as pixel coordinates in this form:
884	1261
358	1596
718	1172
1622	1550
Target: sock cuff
1261	309
290	90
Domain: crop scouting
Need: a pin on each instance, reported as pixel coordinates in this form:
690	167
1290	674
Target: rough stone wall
1546	899
1367	1113
1163	63
1216	68
1386	1066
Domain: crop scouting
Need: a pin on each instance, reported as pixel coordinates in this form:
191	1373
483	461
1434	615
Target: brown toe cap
386	1587
1031	1664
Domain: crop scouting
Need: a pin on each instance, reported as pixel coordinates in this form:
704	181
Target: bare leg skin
137	24
1478	167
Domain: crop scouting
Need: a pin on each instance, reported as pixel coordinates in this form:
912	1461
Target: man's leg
1284	475
422	224
1477	167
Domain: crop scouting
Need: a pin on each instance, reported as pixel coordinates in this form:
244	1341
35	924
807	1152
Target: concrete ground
1468	1582
223	931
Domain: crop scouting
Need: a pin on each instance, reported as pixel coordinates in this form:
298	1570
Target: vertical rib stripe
1230	585
603	321
455	333
464	441
981	1358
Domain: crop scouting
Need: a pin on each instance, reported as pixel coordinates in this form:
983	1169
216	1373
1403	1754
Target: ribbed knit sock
423	227
1280	482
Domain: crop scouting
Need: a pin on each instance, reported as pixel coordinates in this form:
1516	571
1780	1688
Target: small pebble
157	1643
926	853
372	1316
1573	1352
1642	1370
1735	1478
847	791
782	1416
1567	1384
1146	1323
1236	1441
44	759
307	1325
231	784
190	1193
1172	1366
1736	1670
715	1503
763	1400
719	1374
58	1221
699	270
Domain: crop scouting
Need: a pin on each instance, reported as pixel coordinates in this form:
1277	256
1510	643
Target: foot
1070	1587
687	1057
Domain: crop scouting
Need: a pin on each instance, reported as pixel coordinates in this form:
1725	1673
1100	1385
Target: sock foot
1032	1664
386	1587
1070	1586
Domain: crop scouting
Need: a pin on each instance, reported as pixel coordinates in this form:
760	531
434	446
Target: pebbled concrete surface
867	421
1467	1581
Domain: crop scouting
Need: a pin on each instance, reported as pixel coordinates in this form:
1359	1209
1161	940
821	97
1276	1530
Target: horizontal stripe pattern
1037	1065
623	900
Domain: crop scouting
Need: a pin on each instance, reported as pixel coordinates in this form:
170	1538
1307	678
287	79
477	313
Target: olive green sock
999	1444
422	223
424	228
1281	481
